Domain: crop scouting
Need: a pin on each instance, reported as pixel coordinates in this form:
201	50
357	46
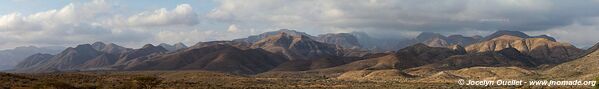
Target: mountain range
339	55
10	57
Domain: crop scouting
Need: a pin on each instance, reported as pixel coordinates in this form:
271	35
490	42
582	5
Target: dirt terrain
212	80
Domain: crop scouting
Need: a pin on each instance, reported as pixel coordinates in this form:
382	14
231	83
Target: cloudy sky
133	23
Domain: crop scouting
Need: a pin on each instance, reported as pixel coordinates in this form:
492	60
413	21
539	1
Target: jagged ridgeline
346	56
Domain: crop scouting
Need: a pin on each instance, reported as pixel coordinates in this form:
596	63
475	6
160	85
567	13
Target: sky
133	23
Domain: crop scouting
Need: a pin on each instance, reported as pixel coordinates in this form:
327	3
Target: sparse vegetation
147	82
48	84
205	80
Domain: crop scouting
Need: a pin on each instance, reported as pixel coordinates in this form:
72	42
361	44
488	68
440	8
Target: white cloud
70	24
188	37
581	35
100	20
393	17
183	14
232	28
78	23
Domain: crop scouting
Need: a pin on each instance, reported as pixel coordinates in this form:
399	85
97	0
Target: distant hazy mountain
33	60
86	57
69	59
173	47
438	40
373	44
345	40
10	57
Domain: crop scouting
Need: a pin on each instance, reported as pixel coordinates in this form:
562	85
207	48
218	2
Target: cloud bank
99	20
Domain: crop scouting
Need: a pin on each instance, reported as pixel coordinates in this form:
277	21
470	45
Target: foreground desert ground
212	80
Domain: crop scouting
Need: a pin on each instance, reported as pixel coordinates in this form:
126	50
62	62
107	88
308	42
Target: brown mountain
110	48
103	60
296	47
139	54
69	59
256	38
500	33
33	60
583	67
224	58
238	44
542	49
11	57
409	57
504	58
86	57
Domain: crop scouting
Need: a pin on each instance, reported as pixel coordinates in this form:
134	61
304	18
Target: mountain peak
84	46
147	46
345	40
256	38
429	35
98	43
180	45
546	37
161	44
173	47
500	33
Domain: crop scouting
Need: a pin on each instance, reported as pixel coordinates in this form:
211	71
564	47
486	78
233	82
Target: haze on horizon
132	23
